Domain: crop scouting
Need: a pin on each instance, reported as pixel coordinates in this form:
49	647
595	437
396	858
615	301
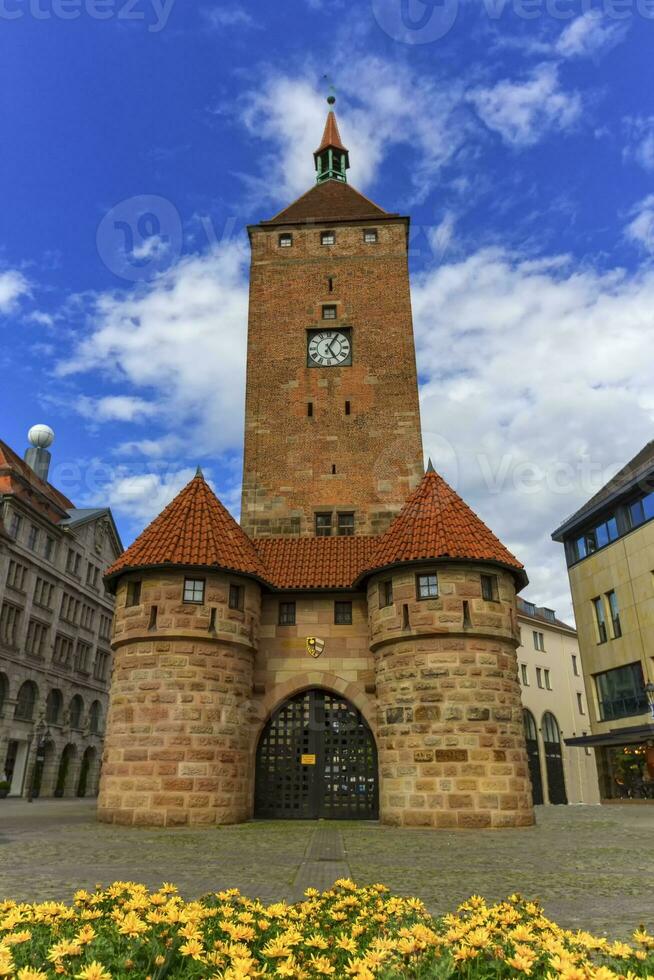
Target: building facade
349	650
554	699
55	631
609	548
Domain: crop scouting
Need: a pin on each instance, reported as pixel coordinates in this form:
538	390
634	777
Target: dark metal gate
533	757
553	759
316	759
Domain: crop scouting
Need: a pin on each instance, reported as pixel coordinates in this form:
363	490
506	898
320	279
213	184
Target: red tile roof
315	563
436	523
331	135
194	529
332	200
19	479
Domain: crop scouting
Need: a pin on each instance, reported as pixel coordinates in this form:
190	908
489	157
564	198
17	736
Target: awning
617	736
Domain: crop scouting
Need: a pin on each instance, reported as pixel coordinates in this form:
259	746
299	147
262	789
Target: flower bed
125	931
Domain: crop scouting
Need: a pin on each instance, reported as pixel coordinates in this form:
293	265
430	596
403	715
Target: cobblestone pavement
592	867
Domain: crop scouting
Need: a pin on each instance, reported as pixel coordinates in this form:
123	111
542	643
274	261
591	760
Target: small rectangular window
343	613
327	238
348	408
285	240
546	675
329	311
539	677
287	614
310	409
615	614
524	674
133	594
427	586
539	640
16	524
323	525
330	284
194	590
346	524
236	597
575	665
600	619
386	593
489	588
580	703
48	549
33	537
370	236
152	625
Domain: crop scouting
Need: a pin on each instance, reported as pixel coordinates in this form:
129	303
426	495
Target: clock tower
332	423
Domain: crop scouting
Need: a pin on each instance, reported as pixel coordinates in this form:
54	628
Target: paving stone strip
324	862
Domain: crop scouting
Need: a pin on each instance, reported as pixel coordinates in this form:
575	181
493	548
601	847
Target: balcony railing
634	704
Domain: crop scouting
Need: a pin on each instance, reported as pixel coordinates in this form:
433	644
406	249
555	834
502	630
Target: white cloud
523	112
115	408
641	141
139	497
13	285
641	227
590	34
537	389
232	16
178	346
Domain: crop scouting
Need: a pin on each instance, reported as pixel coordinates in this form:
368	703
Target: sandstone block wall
450	732
179	723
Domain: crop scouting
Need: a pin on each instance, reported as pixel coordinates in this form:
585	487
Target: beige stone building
55	629
609	547
350	650
554	699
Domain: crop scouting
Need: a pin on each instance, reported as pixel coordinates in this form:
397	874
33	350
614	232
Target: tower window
330	284
346	524
427	586
370	236
323	525
343	613
347	408
194	590
489	588
310	409
152	625
287	614
329	312
236	597
285	240
327	237
386	593
133	594
467	622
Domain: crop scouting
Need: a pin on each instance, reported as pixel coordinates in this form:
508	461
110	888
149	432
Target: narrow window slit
310	409
347	408
152	625
466	614
333	468
212	620
405	617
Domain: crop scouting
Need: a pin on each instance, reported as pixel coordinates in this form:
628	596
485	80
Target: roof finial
331	98
199	473
430	466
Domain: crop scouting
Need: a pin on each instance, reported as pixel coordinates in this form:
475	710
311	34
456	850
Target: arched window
27	696
95	717
53	707
551	731
4	690
530	724
76	712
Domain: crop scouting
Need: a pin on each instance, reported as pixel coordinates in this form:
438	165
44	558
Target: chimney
37	456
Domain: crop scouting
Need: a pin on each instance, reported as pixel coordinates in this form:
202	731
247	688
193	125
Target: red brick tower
332	431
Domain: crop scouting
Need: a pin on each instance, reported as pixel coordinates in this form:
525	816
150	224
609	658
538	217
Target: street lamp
42	734
649	691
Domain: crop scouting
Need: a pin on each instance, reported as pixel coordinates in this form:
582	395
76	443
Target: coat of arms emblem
315	646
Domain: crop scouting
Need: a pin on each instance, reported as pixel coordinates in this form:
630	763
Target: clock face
329	348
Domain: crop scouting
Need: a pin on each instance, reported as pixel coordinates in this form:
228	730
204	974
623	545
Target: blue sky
140	138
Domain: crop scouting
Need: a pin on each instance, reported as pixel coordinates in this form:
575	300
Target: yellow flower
321	964
64	948
192	948
6	964
27	973
94	971
521	963
14	938
131	925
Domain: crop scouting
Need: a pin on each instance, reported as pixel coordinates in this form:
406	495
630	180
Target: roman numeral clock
329	348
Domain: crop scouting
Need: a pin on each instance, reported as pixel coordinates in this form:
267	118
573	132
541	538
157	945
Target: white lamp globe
41	436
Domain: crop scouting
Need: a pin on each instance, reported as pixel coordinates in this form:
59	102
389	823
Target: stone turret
188	603
441	601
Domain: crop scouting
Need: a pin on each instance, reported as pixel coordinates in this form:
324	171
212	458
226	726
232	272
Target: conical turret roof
194	529
435	523
331	136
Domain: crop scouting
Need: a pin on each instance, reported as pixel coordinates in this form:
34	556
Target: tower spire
331	158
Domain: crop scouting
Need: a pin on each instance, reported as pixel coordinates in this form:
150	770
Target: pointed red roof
330	201
436	523
331	136
194	529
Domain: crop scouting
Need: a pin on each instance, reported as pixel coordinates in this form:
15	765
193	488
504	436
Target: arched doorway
316	758
553	759
63	775
533	756
88	760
